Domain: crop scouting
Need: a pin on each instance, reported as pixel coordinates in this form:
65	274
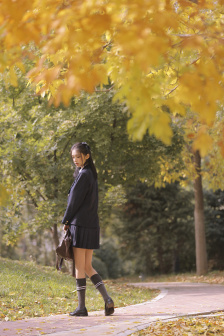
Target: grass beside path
30	290
214	277
209	326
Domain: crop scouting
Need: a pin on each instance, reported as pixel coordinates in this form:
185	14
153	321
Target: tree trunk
160	251
55	183
200	240
1	236
55	235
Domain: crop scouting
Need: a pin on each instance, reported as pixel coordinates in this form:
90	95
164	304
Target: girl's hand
66	227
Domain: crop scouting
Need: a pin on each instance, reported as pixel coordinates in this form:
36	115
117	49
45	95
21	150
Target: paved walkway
175	299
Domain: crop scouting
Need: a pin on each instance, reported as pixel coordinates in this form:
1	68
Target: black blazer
82	204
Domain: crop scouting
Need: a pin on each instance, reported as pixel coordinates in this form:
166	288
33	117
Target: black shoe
79	312
109	307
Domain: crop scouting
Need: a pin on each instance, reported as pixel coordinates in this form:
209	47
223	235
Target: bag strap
59	265
73	268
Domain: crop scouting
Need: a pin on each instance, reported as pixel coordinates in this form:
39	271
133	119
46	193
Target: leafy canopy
157	53
36	166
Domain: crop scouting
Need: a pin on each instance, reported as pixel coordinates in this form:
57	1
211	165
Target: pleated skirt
86	238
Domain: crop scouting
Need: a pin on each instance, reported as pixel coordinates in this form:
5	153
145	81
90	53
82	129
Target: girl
82	220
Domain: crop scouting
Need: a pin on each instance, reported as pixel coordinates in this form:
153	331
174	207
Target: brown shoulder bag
65	251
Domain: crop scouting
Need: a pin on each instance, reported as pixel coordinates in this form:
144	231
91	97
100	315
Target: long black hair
84	148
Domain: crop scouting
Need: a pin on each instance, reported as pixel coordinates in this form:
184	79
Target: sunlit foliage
157	53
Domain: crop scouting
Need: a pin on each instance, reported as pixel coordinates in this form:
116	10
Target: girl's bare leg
79	256
90	271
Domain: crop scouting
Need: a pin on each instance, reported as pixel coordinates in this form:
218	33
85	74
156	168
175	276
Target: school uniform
82	210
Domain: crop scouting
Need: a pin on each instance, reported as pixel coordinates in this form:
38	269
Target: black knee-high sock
81	290
98	283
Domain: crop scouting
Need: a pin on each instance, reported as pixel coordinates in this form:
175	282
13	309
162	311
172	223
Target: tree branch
26	177
106	45
171	91
29	193
105	90
66	145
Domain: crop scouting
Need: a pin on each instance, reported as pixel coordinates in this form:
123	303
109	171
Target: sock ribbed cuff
81	284
96	280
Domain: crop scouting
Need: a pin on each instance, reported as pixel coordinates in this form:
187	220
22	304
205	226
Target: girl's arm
76	197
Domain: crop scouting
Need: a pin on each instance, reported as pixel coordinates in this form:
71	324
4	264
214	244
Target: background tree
36	164
156	229
35	144
195	169
214	213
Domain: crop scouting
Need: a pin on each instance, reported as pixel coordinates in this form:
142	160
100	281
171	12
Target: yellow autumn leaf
203	142
20	65
137	127
150	49
51	74
176	107
160	127
221	146
13	76
207	112
4	195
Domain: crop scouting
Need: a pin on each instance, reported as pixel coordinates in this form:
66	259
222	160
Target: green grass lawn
29	290
209	326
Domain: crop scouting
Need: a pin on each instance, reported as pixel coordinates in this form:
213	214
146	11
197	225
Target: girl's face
78	158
